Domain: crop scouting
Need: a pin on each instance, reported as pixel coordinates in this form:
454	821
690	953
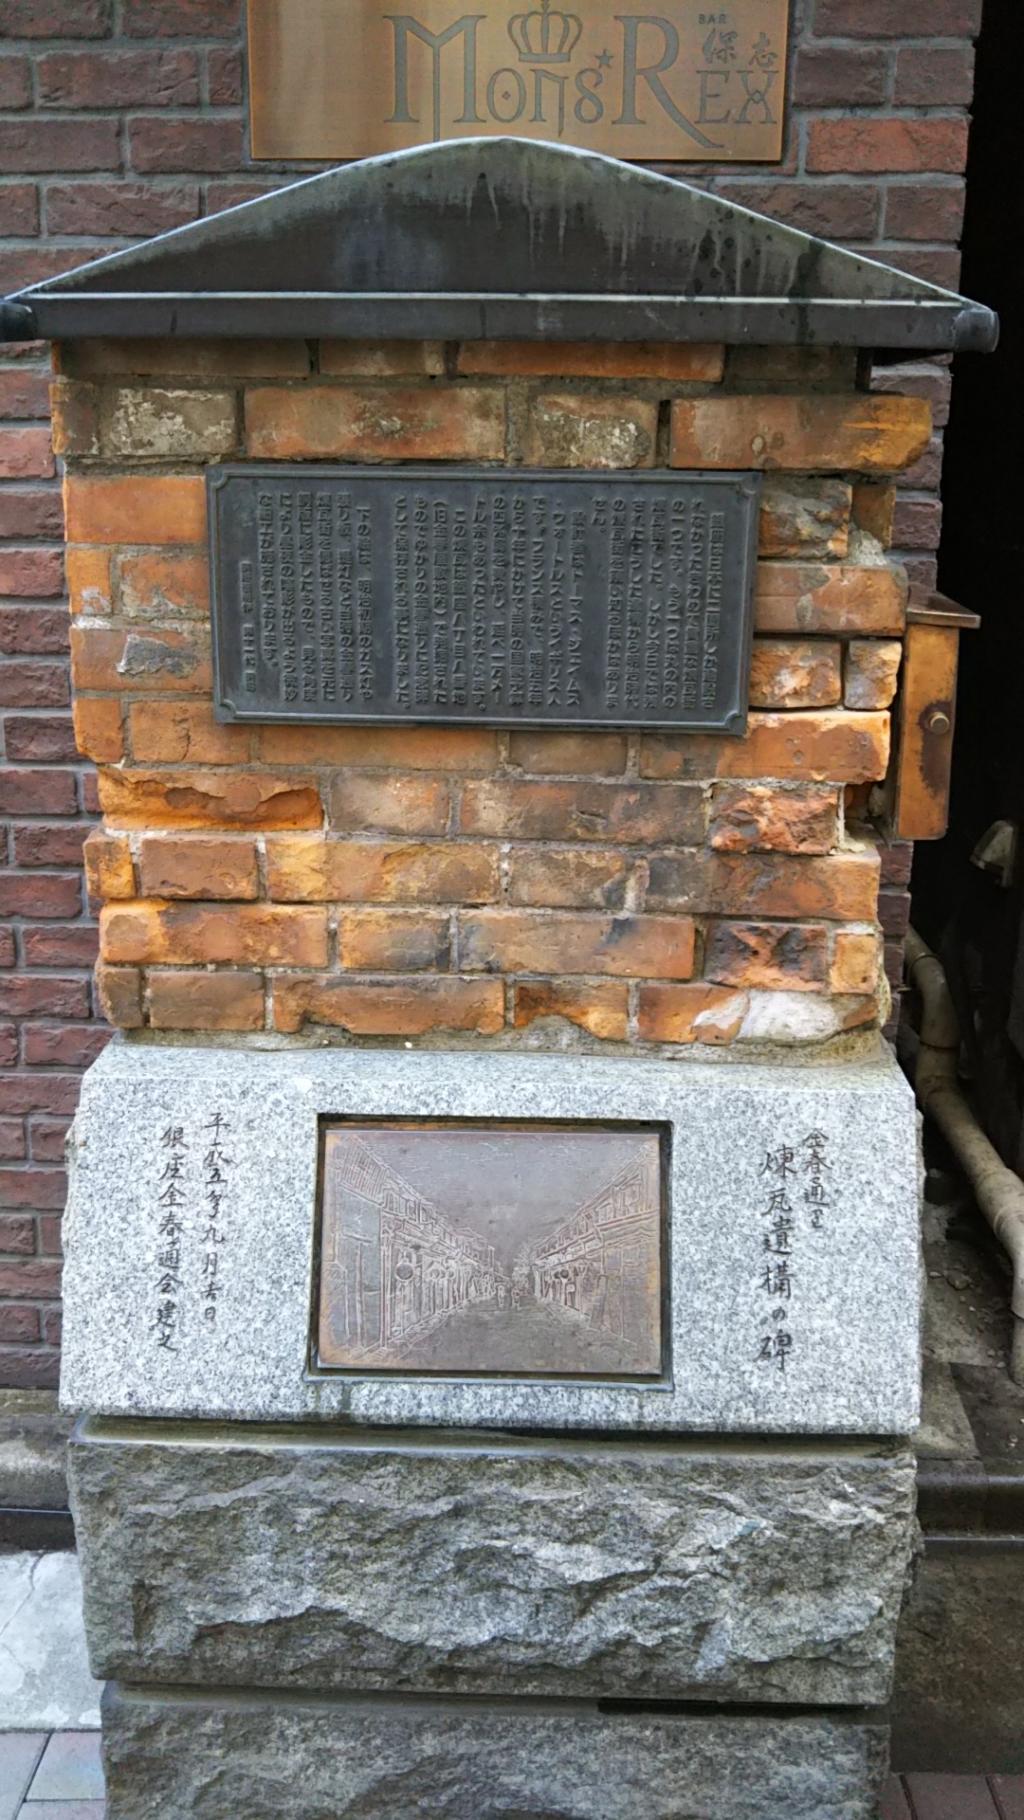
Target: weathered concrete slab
821	1336
491	1565
275	1758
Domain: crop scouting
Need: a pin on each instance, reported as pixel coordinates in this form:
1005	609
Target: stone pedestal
448	1564
390	1593
493	1273
174	1755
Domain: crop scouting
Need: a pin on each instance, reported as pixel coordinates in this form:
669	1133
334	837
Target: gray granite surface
492	1566
851	1311
272	1758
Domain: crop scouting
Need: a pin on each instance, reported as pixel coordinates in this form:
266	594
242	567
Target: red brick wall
122	118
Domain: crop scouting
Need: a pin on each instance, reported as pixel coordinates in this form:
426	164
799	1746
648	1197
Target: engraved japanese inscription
518	598
680	80
525	1250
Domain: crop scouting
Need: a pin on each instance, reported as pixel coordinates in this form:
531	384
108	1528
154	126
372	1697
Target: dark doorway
966	904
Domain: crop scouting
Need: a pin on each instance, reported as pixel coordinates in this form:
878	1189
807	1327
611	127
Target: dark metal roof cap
498	238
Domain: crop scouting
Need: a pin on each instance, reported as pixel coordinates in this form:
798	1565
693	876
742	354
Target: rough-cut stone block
271	1758
852	1315
491	1565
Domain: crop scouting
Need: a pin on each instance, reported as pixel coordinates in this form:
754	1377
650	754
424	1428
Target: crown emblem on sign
545	35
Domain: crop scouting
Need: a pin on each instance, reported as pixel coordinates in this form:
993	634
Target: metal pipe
997	1190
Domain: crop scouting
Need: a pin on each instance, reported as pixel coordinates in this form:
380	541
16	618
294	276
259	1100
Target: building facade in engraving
394	1263
597	1264
403	1281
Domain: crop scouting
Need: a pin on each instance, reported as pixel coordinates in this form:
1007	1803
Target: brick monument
493	1267
121	121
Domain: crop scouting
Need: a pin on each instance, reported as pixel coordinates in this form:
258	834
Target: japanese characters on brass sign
678	80
495	1249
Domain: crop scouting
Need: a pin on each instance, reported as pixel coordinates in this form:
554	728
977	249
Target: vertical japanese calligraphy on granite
795	1185
216	1165
171	1200
191	1189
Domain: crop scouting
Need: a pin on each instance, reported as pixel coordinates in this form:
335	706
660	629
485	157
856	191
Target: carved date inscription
516	599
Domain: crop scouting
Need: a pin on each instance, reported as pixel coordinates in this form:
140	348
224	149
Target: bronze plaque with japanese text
683	80
467	596
531	1251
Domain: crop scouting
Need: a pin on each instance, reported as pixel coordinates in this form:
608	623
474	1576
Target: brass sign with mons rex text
670	81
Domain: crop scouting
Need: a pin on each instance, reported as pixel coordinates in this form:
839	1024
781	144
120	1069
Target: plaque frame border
733	722
318	1371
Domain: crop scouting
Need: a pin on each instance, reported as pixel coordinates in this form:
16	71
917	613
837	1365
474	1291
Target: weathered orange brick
545	942
872	672
690	1014
179	1000
813	598
166	423
595	359
752	818
806	368
394	941
74	417
109	872
135	508
156	582
184	732
120	994
841	886
306	868
522	809
795	673
382	359
787	957
581	430
874	508
568	876
188	934
108	657
806	517
861	433
99	734
430	422
198	865
832	745
208	799
26	454
386	802
88	578
856	961
573	754
599	1007
913	142
189	359
405	1007
404	748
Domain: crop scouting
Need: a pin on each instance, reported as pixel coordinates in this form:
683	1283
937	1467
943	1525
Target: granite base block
848	1296
193	1757
491	1565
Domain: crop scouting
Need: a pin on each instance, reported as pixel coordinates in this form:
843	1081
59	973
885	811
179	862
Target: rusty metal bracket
926	715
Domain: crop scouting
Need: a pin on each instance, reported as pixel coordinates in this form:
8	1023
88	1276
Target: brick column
122	118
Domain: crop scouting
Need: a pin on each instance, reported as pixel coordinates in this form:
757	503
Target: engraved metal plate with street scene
466	596
492	1249
683	80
